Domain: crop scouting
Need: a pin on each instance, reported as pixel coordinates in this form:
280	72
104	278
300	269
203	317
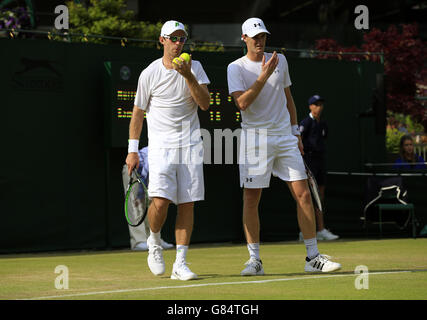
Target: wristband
295	130
133	145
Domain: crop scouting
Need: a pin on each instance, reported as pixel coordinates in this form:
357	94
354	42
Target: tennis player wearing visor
260	84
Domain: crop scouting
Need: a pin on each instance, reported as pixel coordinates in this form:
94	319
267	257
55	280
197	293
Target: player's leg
251	228
255	167
315	164
157	213
315	262
289	166
162	189
184	223
183	230
190	183
305	211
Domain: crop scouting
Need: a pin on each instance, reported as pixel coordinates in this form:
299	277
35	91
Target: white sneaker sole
156	269
313	270
251	274
327	239
246	274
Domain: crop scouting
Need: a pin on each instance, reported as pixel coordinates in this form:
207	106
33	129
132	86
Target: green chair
383	208
390	206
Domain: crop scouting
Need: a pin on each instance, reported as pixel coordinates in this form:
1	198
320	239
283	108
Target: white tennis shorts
262	156
176	173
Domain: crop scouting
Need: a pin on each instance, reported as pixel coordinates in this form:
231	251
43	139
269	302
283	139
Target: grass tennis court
397	270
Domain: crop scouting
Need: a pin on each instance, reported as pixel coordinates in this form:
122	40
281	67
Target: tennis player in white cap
170	94
260	84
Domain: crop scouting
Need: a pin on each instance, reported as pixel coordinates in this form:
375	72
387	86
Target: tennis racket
136	200
313	188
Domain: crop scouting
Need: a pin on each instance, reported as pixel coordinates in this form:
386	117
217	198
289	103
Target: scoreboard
121	80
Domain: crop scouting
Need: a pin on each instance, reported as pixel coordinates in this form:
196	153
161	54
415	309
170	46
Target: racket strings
136	204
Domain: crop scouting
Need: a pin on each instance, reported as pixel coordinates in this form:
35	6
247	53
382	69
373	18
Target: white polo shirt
268	111
171	110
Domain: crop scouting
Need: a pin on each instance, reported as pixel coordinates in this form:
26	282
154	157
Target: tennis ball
176	61
185	56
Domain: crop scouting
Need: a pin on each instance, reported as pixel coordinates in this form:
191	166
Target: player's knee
160	204
251	198
303	197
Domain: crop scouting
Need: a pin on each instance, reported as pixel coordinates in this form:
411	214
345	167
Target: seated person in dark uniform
313	134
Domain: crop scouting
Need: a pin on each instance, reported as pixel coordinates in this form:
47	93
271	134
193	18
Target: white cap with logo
253	26
170	27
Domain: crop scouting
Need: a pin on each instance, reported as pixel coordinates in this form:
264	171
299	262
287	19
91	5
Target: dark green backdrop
60	181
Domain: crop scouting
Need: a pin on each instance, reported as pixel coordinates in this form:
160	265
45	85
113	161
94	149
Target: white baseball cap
171	26
253	26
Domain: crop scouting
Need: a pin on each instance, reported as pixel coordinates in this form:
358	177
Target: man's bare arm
293	115
136	122
135	128
199	92
291	106
243	99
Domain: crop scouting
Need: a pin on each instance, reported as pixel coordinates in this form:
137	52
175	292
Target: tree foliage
404	57
111	19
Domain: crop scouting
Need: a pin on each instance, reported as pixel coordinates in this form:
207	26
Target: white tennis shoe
253	268
321	263
325	234
155	260
181	271
166	245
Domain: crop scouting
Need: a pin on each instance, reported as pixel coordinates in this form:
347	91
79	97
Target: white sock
311	246
254	250
155	238
181	253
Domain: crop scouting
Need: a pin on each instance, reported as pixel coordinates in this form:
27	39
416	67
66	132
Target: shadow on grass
299	274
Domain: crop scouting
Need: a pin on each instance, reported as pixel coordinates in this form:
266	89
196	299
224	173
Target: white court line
210	284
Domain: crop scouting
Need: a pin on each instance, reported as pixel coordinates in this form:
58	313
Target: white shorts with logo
262	156
176	173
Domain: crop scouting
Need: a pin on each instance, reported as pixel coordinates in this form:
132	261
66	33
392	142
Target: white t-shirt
268	111
171	110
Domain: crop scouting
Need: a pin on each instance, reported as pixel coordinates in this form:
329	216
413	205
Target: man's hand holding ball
183	57
183	64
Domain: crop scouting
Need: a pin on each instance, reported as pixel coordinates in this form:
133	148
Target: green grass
28	276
